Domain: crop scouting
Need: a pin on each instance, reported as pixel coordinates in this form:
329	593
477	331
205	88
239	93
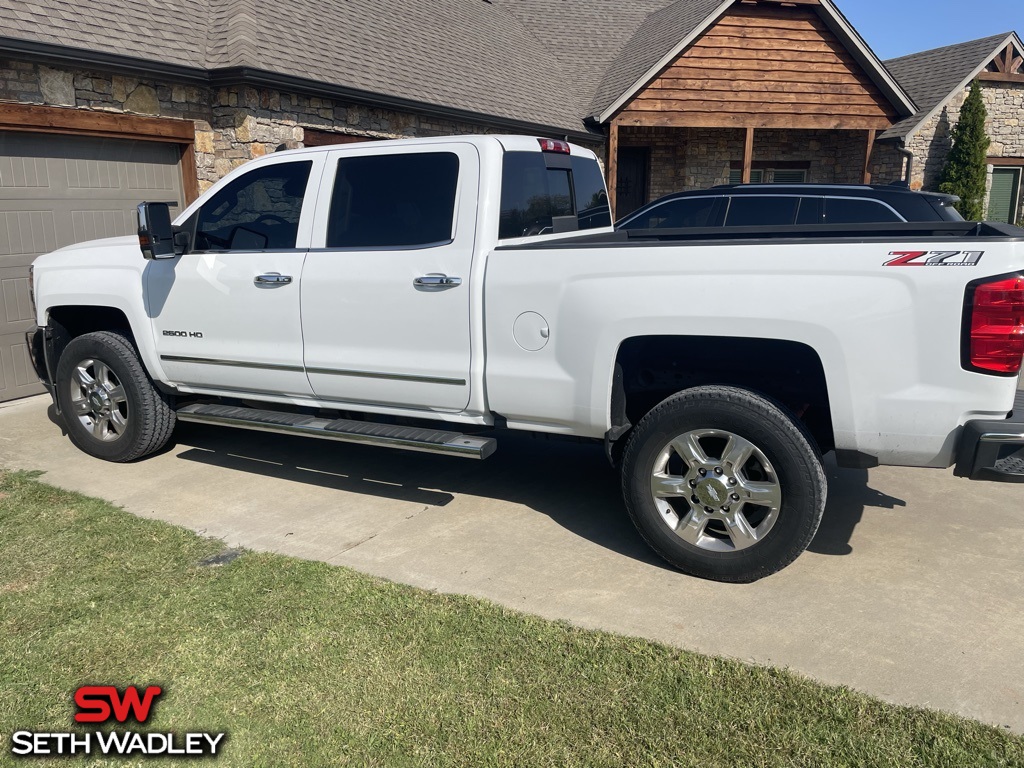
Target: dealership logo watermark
106	705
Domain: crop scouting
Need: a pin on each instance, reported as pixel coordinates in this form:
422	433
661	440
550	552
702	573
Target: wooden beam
612	166
1001	77
748	155
1014	161
794	120
82	122
189	173
867	154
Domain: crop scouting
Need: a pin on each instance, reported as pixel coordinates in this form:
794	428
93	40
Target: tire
110	407
724	484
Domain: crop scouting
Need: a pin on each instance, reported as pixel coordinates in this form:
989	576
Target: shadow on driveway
569	482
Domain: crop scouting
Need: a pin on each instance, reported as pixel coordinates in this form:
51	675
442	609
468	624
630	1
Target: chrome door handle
272	278
435	280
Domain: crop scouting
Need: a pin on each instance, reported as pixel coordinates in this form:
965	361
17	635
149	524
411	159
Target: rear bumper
993	450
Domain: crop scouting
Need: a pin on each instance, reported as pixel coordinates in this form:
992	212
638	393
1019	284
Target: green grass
307	664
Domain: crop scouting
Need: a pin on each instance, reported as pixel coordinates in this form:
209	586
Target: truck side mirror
156	238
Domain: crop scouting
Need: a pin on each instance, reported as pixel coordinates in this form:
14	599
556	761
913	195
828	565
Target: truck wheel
723	484
110	406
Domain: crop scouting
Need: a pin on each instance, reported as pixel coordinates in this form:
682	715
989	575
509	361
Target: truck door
226	314
386	294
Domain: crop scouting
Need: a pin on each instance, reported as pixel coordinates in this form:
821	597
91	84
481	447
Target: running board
344	430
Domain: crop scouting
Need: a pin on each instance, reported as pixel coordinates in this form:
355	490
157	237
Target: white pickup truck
430	294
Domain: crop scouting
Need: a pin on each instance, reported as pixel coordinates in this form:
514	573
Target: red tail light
995	317
554	145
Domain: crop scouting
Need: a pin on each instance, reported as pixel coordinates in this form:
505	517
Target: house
938	81
104	103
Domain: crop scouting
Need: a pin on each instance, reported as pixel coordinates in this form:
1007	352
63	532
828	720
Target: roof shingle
930	77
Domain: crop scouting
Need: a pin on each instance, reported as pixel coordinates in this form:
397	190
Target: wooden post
748	155
612	166
867	155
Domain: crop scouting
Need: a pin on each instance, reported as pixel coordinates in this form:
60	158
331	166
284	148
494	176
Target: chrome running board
343	430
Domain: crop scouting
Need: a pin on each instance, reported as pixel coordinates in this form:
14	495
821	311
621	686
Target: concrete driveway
913	590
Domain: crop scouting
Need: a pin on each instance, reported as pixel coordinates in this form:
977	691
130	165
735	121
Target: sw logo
106	704
96	703
935	258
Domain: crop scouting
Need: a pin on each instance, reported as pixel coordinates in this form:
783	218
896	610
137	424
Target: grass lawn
307	664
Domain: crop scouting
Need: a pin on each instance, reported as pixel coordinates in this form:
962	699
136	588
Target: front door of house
631	189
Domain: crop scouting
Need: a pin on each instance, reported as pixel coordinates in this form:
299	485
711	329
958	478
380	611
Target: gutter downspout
902	149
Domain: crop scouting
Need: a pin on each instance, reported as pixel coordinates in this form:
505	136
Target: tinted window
751	211
840	211
392	201
531	195
810	211
257	211
685	212
591	197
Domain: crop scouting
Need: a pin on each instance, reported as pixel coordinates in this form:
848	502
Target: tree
965	171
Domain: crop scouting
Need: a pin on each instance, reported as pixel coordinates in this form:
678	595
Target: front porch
652	161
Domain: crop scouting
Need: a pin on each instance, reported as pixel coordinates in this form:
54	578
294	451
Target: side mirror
156	238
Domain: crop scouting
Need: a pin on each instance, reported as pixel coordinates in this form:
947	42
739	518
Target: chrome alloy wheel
98	400
716	490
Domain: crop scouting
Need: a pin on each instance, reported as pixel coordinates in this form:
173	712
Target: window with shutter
1004	197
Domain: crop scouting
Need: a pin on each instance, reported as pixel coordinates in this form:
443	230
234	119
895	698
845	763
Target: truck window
394	201
533	194
257	211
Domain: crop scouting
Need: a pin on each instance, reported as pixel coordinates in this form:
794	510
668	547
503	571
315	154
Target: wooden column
867	155
612	166
748	155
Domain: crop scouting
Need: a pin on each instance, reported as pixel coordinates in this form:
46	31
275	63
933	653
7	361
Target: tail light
994	321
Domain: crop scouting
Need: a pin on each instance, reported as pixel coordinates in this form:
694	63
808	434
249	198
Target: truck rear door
386	287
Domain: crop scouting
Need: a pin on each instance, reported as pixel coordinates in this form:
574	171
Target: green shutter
1002	201
736	176
789	177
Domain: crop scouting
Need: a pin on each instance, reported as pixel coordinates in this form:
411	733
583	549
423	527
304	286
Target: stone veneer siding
697	158
232	124
1005	127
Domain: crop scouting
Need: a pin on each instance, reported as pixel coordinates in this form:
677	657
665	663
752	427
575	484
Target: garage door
56	190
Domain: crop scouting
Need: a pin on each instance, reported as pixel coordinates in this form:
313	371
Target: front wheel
723	484
109	404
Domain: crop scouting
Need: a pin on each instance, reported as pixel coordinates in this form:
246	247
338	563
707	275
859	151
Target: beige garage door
56	190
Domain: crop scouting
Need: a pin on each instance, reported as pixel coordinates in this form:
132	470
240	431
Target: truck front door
226	315
386	288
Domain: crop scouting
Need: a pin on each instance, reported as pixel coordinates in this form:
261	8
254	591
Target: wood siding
763	67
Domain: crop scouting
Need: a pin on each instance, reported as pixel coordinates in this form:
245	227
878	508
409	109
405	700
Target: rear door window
850	211
757	211
393	201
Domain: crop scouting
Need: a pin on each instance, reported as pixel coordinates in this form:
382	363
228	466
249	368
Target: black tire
148	419
794	469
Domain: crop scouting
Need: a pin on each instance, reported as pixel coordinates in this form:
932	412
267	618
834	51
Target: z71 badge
935	258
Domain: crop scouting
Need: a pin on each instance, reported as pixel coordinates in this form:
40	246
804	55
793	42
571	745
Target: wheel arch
649	368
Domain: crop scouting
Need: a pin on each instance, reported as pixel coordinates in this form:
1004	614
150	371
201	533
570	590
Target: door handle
435	280
272	278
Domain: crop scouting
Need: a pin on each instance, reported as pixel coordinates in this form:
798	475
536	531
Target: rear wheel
110	406
724	484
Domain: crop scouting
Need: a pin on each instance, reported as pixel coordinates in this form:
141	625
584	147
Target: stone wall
233	125
1004	103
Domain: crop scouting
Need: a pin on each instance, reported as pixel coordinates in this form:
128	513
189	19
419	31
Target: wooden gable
1006	67
763	66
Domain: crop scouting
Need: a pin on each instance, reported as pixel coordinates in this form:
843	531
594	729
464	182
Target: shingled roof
933	77
532	63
